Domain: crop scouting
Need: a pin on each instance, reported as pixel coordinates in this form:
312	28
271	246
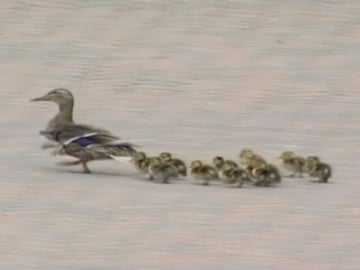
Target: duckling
219	162
141	162
248	159
293	163
233	175
245	155
180	165
158	169
266	174
203	172
316	168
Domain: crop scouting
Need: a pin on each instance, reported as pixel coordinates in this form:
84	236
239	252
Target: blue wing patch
84	142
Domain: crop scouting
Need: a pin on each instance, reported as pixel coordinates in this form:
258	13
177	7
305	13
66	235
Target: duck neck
66	111
65	114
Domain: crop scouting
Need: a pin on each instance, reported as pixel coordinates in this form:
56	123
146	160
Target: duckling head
218	161
287	155
246	153
60	96
165	156
140	156
313	159
195	164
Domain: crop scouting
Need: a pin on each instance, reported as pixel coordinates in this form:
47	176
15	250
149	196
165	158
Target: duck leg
76	162
85	167
69	163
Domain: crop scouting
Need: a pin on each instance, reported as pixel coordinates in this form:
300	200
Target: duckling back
232	176
180	167
265	175
203	172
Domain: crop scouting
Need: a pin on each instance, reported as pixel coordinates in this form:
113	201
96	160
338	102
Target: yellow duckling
293	163
233	175
266	174
180	165
219	162
314	167
204	172
158	169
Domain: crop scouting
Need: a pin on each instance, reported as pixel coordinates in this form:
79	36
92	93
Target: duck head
60	96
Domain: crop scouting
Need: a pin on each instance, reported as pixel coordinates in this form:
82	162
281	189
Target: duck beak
43	98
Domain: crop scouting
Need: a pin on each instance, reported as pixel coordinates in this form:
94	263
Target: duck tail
122	152
121	159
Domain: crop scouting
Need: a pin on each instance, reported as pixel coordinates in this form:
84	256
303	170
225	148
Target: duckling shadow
320	182
201	184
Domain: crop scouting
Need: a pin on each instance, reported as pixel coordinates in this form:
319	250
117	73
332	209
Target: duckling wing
209	171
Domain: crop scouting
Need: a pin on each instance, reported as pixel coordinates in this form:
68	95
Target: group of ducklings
251	168
311	165
163	167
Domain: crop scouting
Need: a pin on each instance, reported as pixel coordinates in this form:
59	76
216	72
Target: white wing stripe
81	136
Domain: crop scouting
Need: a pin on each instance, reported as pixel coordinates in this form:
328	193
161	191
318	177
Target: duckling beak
43	98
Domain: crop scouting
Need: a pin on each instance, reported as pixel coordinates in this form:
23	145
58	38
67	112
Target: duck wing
70	130
90	142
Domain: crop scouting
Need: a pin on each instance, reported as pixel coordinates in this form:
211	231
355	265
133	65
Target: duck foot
73	163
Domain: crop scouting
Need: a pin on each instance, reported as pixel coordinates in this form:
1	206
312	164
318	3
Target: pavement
198	79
